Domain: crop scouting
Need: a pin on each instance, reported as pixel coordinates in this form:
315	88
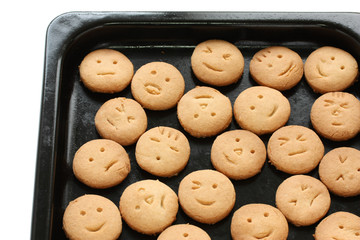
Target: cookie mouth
263	235
204	202
212	67
152	88
95	229
288	70
322	74
105	73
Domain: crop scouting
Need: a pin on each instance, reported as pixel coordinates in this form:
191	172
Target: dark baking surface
68	108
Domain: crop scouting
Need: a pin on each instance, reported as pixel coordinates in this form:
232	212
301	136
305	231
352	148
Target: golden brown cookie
330	69
106	71
239	154
217	62
157	86
336	116
183	232
276	67
101	163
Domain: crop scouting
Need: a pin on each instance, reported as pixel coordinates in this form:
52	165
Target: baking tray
68	108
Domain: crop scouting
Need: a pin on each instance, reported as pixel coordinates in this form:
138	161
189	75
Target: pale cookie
338	226
336	116
277	67
303	199
204	112
101	163
157	86
239	154
261	110
92	217
122	120
183	232
217	62
259	221
339	170
162	151
330	69
295	149
106	71
149	206
206	196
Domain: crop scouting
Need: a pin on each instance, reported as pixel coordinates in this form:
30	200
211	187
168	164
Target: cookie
330	69
339	225
295	149
276	67
261	110
259	221
206	196
101	163
204	112
183	231
92	217
149	206
239	154
122	120
106	71
336	116
157	86
302	199
217	62
339	170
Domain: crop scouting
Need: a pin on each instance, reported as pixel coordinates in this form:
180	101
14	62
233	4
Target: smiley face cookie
122	120
217	62
162	151
92	217
259	221
157	86
295	149
339	225
204	112
330	69
303	200
101	163
239	154
106	71
261	110
183	232
149	206
336	116
207	196
339	170
277	67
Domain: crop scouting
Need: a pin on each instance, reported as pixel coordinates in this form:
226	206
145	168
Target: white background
22	38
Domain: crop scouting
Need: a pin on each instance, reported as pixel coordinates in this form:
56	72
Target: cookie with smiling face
217	62
259	221
330	69
207	196
183	231
92	217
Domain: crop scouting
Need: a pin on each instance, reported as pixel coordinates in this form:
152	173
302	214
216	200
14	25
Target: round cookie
259	221
276	67
217	62
330	69
295	149
122	120
206	196
302	199
106	71
339	170
101	163
339	225
183	231
149	206
204	112
239	154
336	116
261	110
162	151
92	217
157	86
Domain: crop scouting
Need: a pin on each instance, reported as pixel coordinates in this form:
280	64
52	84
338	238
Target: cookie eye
99	209
115	62
249	220
91	159
214	186
102	149
266	214
226	56
279	56
341	226
167	79
82	213
332	58
98	61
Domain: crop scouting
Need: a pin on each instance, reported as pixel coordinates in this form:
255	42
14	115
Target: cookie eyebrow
174	148
130	118
312	201
203	96
328	102
344	105
342	160
207	50
155	139
197	185
121	108
293	201
300	138
285	139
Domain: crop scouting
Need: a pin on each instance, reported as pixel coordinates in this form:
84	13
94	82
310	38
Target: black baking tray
68	108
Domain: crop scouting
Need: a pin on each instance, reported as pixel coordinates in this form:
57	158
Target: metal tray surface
68	108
